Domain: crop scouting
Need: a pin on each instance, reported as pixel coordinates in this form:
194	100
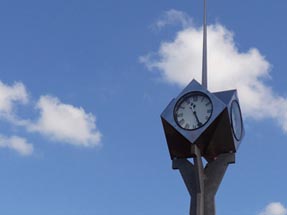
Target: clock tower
200	124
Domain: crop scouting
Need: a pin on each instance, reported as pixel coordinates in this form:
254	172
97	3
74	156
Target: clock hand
198	122
195	115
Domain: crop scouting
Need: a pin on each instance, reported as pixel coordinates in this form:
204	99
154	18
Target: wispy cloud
274	208
173	17
65	123
179	61
10	95
56	120
18	144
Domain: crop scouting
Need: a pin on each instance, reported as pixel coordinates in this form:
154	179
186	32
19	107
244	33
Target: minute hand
197	120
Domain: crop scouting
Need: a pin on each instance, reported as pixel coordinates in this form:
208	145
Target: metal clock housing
180	138
229	130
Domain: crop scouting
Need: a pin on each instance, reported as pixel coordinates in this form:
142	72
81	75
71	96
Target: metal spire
204	52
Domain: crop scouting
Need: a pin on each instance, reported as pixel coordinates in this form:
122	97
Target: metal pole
203	183
193	177
204	51
214	173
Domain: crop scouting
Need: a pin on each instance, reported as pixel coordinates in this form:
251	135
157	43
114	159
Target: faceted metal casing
214	138
178	139
224	139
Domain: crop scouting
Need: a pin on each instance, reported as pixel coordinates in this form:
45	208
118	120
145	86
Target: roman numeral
181	122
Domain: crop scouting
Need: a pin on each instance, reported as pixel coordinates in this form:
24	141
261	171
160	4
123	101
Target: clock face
236	120
193	110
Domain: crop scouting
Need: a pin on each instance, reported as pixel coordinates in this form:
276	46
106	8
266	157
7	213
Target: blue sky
82	87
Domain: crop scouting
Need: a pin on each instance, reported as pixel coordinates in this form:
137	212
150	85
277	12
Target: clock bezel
235	102
181	99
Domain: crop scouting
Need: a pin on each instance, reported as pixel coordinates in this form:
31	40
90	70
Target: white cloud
274	208
9	95
56	121
180	60
173	17
18	144
66	123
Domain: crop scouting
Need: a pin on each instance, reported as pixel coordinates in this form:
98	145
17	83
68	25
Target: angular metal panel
179	147
179	139
228	97
222	139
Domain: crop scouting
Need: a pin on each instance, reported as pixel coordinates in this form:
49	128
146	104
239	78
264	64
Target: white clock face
193	110
236	120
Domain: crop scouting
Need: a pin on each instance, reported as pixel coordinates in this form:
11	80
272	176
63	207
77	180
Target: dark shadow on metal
203	183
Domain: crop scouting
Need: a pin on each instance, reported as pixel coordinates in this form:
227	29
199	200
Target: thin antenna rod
204	52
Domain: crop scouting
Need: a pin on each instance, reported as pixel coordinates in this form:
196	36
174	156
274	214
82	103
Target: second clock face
236	120
193	110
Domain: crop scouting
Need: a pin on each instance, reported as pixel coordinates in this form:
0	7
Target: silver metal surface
213	138
201	182
228	97
193	177
179	139
204	52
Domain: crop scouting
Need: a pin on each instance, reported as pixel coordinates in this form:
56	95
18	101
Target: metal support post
203	183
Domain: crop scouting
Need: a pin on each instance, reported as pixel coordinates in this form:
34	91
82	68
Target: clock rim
241	121
179	102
